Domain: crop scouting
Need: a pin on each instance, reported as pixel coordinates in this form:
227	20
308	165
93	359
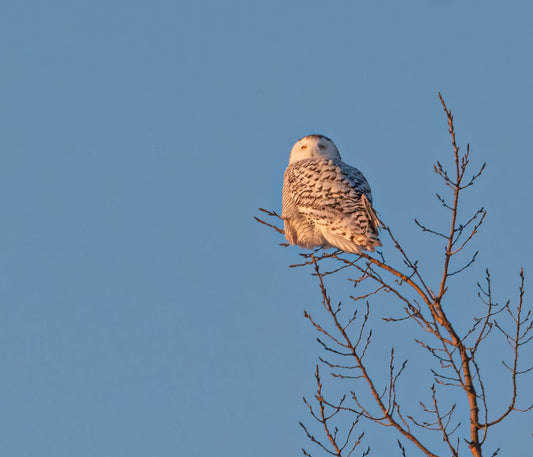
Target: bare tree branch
347	335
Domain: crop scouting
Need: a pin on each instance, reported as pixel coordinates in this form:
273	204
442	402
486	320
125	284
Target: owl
326	202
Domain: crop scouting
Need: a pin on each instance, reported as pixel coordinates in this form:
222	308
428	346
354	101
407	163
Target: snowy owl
326	202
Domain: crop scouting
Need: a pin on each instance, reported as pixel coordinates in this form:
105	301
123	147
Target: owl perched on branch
327	203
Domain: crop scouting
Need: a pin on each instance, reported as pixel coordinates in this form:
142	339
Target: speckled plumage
326	202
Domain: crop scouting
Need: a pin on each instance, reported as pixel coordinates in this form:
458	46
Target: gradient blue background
143	312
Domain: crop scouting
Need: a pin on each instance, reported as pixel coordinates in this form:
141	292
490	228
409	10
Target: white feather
326	202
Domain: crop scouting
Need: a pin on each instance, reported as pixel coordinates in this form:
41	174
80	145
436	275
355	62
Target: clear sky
142	310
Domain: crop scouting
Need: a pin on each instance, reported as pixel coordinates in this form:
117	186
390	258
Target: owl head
314	147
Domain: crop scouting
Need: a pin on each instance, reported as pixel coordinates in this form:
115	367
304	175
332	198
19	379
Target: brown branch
261	221
460	167
387	417
323	418
519	338
443	427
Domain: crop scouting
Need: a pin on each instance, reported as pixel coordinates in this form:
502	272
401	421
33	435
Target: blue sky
143	311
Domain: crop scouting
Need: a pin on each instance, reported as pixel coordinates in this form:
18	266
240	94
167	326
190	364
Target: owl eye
322	146
304	147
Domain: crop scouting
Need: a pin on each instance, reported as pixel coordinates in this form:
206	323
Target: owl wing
298	228
360	184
